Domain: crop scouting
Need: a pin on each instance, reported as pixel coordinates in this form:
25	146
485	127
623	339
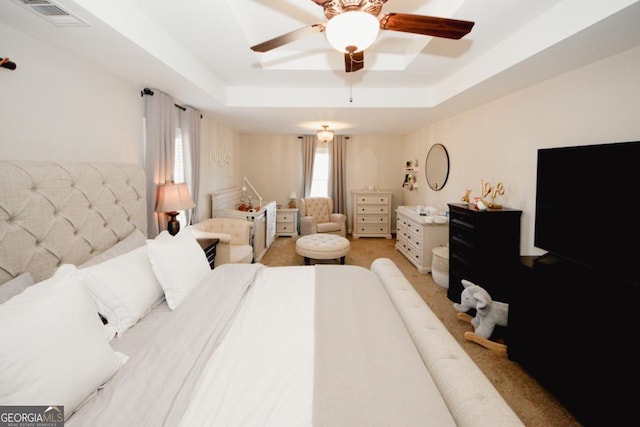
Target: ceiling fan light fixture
352	28
325	135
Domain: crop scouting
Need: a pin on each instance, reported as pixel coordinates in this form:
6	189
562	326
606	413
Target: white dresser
416	236
372	214
287	222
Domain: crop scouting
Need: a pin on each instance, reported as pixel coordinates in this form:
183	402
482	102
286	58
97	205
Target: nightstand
209	248
287	222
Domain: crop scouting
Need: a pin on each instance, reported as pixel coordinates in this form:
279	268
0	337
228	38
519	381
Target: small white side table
287	222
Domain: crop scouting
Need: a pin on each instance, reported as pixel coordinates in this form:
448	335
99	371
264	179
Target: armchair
316	216
235	238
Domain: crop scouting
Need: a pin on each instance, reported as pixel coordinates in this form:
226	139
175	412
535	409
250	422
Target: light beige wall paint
219	162
498	141
375	160
273	164
55	106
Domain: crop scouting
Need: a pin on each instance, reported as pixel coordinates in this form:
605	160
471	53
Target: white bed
250	345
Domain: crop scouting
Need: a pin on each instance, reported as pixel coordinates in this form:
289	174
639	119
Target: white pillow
124	288
54	350
134	240
179	264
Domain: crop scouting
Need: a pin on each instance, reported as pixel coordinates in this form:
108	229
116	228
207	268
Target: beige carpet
533	404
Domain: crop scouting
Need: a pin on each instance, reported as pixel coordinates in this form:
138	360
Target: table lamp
171	199
292	200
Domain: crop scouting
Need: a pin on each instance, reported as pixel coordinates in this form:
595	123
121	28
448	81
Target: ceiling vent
53	13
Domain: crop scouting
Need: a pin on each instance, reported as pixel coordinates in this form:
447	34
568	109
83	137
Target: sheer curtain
190	127
308	155
160	137
338	173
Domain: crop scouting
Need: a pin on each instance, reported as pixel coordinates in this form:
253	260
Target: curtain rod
346	137
147	91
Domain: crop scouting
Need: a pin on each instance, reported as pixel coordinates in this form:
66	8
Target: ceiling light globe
353	28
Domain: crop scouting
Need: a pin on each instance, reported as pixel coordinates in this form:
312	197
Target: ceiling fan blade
288	38
354	61
426	25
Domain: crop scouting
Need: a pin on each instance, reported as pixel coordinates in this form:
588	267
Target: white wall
498	141
55	106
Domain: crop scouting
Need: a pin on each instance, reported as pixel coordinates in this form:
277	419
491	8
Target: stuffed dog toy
489	313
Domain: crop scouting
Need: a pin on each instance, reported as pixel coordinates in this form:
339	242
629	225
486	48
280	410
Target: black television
585	198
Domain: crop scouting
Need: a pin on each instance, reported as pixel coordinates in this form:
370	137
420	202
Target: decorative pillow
179	264
15	286
133	241
54	350
124	288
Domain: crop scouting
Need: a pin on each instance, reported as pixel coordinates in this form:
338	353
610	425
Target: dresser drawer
372	219
285	216
286	227
410	236
373	199
373	209
410	251
372	229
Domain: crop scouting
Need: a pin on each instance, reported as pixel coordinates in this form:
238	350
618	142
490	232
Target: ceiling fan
353	26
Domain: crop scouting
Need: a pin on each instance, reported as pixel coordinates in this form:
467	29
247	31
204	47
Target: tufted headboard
52	213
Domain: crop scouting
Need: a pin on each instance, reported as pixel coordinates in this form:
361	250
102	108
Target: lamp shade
325	135
352	31
173	198
293	195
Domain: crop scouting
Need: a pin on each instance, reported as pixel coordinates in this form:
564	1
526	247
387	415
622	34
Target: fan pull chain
351	78
350	88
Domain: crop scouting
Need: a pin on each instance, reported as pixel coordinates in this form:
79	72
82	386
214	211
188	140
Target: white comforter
266	361
275	346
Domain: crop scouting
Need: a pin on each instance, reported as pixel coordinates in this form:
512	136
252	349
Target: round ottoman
440	266
322	246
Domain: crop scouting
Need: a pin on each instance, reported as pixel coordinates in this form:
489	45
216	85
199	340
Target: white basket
440	266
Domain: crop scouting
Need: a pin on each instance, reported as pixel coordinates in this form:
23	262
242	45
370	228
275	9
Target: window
320	181
178	171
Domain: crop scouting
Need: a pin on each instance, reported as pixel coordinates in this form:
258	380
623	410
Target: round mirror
436	168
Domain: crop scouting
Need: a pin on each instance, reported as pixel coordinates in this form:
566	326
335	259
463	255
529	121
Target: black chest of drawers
484	248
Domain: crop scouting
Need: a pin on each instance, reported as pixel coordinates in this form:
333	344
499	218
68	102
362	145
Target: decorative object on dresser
489	190
484	247
172	198
417	235
316	216
372	213
246	181
286	222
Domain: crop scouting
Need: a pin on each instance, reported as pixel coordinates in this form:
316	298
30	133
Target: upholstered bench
322	246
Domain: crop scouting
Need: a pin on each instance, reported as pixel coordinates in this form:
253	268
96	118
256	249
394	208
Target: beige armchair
316	216
235	238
